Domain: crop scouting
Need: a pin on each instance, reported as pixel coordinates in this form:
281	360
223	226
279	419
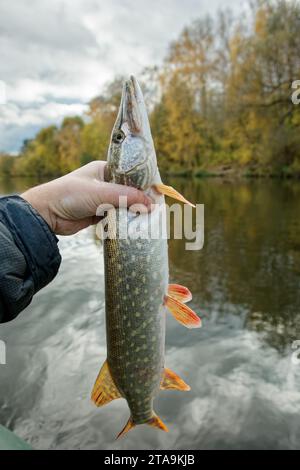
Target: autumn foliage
221	101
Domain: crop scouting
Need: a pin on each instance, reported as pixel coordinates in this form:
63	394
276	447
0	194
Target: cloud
64	52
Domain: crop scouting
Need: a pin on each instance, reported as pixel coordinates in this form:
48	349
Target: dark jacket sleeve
29	256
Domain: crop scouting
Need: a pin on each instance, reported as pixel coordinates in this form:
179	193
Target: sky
55	56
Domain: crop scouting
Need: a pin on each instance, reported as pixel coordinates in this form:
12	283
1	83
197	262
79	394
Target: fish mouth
133	106
132	159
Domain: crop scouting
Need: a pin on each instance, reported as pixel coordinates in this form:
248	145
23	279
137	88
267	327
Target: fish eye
118	137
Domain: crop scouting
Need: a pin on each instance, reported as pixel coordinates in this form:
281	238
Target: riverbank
229	171
222	171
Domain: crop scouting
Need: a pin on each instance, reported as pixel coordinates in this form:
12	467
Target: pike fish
137	290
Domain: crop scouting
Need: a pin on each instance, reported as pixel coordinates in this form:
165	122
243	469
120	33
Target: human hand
69	204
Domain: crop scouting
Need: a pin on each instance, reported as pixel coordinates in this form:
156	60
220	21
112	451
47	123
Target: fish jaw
131	156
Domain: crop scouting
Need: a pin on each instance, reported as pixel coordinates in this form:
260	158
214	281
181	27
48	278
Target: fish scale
138	269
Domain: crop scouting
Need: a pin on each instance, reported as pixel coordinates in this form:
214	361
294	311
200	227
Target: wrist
36	198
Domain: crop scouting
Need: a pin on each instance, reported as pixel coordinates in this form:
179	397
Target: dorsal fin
104	390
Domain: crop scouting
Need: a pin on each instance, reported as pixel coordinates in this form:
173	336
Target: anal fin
104	390
172	381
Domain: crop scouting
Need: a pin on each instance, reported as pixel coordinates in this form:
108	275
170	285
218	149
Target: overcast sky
56	55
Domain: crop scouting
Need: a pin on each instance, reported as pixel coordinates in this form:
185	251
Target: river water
245	388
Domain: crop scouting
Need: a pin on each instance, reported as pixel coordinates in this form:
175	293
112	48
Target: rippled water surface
245	282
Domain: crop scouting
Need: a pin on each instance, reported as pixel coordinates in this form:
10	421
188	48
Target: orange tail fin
129	425
155	422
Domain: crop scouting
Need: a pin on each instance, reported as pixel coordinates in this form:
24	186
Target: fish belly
136	281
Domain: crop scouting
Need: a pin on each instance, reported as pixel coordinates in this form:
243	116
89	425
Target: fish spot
132	257
146	360
137	314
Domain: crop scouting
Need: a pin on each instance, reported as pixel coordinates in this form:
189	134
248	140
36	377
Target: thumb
110	193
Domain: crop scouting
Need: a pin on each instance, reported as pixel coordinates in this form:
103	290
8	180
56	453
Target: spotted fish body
136	277
137	292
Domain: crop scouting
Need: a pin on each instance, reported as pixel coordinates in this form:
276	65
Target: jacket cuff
33	237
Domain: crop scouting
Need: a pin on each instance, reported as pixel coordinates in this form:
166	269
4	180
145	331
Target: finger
93	169
110	193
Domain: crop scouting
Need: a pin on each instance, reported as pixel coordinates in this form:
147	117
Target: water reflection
245	389
17	185
251	256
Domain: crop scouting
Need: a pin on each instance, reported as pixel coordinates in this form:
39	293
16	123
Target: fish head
131	155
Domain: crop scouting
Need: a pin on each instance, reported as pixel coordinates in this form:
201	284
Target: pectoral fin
182	313
171	192
180	293
104	390
172	381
